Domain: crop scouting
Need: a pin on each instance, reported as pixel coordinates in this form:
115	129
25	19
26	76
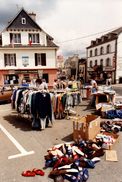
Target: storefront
17	76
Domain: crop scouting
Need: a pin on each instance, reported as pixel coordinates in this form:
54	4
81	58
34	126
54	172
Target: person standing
55	84
94	86
108	80
44	84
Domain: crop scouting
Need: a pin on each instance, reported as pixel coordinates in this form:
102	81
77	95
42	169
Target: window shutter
36	59
5	61
43	59
15	59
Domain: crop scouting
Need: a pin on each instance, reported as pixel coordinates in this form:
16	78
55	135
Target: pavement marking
23	152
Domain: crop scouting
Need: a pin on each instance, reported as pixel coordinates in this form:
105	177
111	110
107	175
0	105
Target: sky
70	22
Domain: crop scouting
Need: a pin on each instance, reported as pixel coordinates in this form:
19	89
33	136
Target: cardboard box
103	107
86	127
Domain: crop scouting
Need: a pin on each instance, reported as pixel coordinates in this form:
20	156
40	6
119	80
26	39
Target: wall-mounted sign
40	73
108	68
25	60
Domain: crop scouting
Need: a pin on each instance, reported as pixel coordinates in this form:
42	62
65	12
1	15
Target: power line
86	36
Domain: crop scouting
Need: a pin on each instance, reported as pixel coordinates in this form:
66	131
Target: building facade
104	57
26	51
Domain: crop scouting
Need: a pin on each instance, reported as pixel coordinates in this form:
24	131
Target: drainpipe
115	81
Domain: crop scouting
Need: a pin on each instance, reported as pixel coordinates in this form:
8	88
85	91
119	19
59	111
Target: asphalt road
39	142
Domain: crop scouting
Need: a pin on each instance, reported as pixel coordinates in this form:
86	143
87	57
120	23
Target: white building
26	51
104	56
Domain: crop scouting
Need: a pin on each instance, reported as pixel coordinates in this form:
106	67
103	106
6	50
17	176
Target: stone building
104	56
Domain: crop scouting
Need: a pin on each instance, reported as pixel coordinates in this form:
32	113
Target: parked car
5	93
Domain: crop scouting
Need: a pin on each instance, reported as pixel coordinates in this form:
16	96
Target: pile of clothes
111	114
71	160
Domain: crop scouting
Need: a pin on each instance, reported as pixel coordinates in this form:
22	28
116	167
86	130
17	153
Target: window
90	64
26	77
90	53
15	38
10	59
101	50
108	62
101	62
23	20
108	48
34	38
46	77
95	62
40	59
11	78
95	52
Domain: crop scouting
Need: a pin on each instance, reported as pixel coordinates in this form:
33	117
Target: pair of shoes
38	172
32	173
28	173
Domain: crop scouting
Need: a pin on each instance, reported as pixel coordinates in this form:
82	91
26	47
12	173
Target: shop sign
25	71
25	60
11	72
108	68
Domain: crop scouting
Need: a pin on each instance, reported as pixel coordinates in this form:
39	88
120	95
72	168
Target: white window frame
15	38
10	59
34	37
23	21
40	59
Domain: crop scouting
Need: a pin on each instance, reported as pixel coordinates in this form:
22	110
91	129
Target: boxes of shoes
86	127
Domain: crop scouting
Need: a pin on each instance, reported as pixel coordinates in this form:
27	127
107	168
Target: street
21	148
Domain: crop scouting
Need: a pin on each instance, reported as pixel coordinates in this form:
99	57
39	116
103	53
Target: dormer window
23	20
102	39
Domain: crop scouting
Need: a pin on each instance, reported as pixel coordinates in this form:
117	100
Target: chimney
32	15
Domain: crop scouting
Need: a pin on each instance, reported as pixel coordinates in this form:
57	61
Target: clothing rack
26	101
